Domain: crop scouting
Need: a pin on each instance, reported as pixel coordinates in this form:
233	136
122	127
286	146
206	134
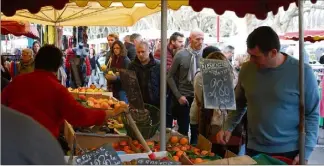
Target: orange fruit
117	106
211	154
150	143
91	99
115	145
122	103
126	148
198	160
123	143
97	106
204	152
82	97
174	139
104	105
110	102
135	142
184	141
180	153
176	149
175	158
92	86
183	148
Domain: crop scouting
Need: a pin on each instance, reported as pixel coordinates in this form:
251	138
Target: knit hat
208	50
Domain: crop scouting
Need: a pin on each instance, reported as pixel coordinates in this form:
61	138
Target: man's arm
311	111
234	116
173	70
75	113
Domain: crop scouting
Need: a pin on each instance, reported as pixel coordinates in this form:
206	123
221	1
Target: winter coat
115	86
149	79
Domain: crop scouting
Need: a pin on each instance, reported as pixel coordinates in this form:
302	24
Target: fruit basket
147	124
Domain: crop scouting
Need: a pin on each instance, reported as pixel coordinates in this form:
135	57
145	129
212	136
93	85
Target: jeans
182	115
194	134
169	108
122	96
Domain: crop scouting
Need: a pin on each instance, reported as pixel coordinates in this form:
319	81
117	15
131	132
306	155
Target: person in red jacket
176	43
41	96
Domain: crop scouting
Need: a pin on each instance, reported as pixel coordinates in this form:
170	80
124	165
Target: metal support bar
301	85
163	72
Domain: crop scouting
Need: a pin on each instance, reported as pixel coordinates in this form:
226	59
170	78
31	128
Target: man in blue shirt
268	86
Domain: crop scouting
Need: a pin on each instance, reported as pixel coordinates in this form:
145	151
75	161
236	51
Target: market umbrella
93	14
309	35
21	28
260	9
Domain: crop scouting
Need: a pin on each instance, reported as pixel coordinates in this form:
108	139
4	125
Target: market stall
259	8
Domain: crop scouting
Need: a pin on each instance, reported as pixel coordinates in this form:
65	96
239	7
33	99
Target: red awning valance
309	35
260	8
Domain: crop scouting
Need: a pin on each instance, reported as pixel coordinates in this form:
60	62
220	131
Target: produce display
101	103
92	88
108	128
105	104
180	146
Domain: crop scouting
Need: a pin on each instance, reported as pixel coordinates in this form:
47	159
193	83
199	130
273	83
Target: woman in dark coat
117	60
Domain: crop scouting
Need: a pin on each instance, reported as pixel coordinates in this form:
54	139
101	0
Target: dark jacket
131	51
115	86
149	79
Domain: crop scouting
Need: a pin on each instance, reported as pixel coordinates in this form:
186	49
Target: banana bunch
113	123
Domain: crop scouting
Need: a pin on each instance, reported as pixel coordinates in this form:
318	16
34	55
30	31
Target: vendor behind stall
41	96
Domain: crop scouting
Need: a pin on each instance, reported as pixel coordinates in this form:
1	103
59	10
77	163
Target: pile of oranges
103	103
180	146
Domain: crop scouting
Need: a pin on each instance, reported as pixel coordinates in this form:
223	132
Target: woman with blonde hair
26	64
210	121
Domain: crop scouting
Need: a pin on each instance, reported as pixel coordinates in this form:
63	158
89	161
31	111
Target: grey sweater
180	67
26	142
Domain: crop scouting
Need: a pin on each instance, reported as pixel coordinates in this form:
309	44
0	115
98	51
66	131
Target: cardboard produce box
229	159
90	140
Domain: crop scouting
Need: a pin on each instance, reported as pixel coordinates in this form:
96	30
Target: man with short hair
127	39
147	70
268	86
135	38
229	52
183	69
176	42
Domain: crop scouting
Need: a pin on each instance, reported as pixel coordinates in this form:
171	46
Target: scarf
194	66
117	62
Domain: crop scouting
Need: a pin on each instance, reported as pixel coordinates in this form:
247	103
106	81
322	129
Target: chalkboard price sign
218	84
104	155
130	85
146	161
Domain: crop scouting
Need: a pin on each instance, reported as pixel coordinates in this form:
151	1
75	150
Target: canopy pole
302	133
163	72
